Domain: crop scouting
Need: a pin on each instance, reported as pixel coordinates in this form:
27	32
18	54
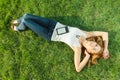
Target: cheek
98	49
88	46
90	50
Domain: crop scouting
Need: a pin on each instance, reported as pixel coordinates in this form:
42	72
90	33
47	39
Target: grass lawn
25	56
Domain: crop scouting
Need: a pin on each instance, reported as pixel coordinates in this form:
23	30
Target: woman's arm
104	36
105	39
79	65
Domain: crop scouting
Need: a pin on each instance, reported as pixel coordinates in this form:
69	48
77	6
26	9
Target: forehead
93	41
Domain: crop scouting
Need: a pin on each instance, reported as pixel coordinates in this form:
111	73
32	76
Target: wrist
88	55
105	44
105	48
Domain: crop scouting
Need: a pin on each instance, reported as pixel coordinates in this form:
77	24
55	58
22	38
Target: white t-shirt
68	38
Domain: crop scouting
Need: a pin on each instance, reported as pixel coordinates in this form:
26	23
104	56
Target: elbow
78	70
106	33
105	36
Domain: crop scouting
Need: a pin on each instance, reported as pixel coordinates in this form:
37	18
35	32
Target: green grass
25	56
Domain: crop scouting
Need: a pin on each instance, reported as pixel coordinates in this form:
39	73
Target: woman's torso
68	38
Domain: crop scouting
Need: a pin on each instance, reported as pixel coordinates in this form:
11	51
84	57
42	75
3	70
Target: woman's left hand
106	54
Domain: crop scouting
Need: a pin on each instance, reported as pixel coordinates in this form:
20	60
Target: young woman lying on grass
94	42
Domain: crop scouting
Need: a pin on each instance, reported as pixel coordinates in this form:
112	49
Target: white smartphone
62	30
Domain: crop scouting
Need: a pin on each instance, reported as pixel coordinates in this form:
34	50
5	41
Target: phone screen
62	30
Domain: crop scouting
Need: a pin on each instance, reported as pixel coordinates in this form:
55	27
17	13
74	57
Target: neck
83	41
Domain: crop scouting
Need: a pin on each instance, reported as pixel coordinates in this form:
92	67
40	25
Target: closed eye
96	45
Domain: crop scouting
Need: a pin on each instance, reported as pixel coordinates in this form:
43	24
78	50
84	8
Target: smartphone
62	30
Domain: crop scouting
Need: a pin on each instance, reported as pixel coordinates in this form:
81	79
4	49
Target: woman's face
91	46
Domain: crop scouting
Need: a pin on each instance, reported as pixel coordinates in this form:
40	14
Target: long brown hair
94	57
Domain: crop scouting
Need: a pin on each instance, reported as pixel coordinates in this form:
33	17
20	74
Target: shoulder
76	49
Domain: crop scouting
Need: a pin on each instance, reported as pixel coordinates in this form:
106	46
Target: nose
92	44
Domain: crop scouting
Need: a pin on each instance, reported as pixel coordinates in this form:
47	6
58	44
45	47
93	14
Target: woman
74	37
95	56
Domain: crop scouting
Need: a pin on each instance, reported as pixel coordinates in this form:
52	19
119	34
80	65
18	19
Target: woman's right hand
86	53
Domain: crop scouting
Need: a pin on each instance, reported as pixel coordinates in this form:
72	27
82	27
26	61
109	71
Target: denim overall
42	26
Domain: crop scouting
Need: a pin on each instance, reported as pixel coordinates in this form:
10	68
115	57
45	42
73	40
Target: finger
106	57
